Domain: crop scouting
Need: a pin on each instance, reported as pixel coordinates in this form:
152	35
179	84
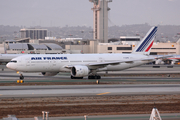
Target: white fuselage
58	62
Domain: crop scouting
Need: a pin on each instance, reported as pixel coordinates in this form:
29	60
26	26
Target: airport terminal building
127	46
27	46
81	46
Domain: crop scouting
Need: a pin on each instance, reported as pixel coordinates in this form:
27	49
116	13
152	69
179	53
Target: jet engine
159	62
49	73
79	71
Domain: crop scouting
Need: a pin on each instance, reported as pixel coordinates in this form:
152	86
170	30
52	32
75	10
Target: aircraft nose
8	65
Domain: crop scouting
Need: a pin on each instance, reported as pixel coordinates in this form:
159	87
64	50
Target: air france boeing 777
81	65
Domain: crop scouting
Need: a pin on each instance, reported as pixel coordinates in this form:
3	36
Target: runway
87	90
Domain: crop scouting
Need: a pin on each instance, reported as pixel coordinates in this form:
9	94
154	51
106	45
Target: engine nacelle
159	62
79	71
49	73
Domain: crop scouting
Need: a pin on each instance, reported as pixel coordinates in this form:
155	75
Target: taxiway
87	90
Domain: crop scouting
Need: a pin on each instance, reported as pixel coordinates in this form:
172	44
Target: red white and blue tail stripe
145	45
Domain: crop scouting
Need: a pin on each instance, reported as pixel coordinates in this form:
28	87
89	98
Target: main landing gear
95	77
89	77
72	77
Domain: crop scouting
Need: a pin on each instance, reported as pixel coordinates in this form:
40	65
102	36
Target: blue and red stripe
147	41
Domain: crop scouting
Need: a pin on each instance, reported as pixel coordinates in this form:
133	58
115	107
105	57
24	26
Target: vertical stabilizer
146	43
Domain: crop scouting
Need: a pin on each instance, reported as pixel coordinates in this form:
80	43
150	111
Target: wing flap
104	63
112	63
163	57
148	59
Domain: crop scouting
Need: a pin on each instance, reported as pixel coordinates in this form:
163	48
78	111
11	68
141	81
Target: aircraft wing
118	62
103	64
109	63
150	59
163	56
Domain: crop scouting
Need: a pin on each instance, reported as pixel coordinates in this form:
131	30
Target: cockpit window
14	61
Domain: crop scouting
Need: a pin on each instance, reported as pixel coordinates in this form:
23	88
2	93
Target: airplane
170	60
81	65
174	59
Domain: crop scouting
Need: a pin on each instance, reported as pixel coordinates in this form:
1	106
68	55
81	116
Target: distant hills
165	32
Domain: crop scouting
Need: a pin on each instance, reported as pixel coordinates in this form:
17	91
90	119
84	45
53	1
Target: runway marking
103	93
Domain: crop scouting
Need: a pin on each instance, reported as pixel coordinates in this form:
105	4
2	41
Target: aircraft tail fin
146	43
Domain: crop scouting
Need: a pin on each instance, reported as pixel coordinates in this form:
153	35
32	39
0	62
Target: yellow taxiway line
103	93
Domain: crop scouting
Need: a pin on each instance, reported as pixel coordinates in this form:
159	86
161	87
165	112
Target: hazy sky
78	12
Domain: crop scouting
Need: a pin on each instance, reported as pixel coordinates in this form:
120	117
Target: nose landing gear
21	77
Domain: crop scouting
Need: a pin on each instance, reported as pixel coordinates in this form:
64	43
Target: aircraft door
28	62
53	64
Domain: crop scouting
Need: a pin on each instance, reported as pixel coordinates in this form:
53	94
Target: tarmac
139	81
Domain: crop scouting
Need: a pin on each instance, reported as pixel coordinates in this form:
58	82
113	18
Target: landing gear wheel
90	77
98	77
76	77
20	81
94	77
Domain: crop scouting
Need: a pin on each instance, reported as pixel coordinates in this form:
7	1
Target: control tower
100	28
